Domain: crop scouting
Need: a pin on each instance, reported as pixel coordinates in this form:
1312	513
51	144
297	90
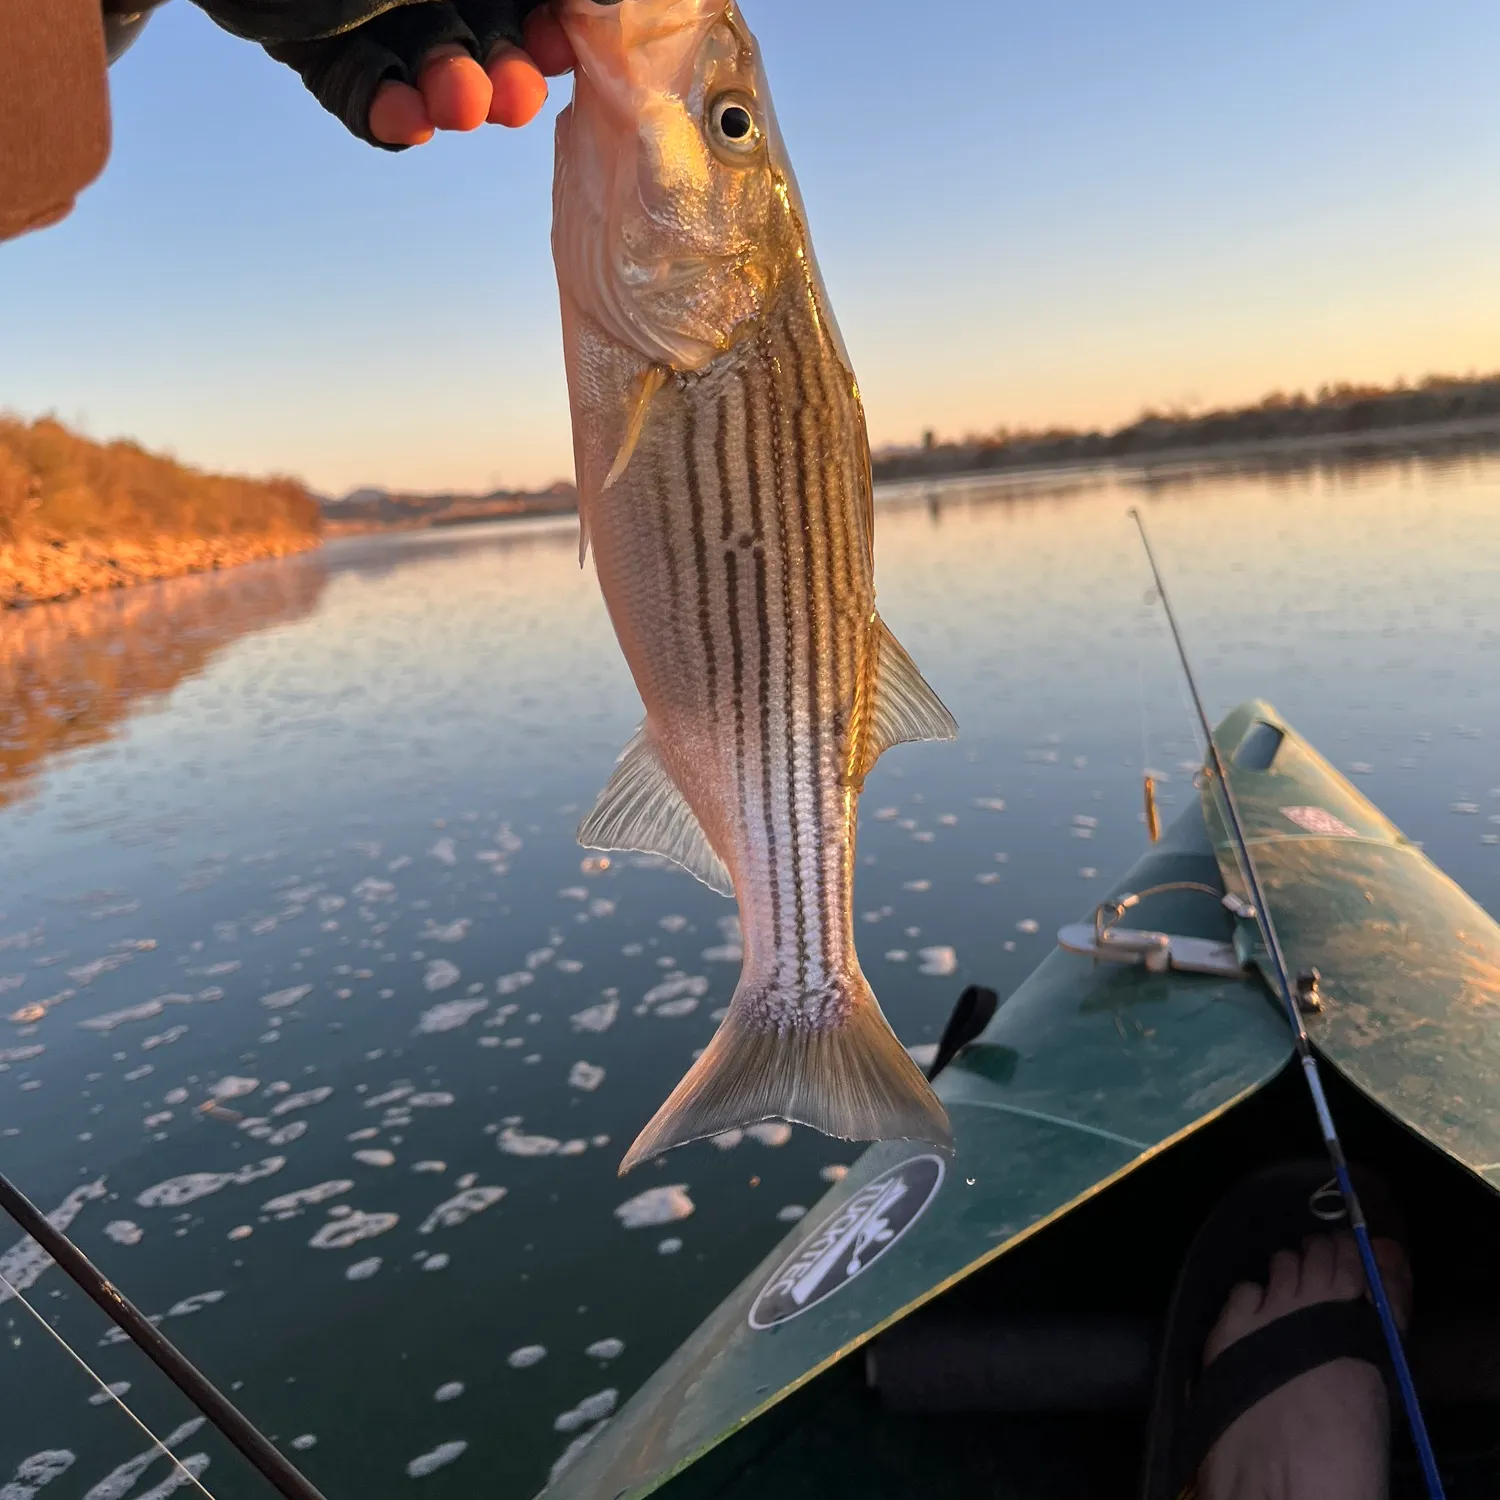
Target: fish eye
732	124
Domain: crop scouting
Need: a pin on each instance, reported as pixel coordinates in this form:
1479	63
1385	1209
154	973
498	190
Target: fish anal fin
905	708
642	810
853	1080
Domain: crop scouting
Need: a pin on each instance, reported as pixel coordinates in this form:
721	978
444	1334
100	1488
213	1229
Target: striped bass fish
724	485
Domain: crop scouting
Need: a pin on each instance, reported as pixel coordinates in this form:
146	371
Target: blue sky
1028	214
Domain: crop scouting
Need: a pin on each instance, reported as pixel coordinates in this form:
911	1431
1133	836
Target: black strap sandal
1273	1210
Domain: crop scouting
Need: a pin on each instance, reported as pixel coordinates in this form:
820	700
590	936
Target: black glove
345	49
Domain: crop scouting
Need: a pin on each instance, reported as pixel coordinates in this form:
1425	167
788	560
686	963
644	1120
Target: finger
1286	1271
1318	1261
455	89
548	43
518	90
398	116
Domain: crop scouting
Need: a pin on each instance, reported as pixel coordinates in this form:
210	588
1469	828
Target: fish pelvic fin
642	810
904	707
852	1079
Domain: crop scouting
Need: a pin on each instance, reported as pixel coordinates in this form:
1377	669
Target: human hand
415	68
454	93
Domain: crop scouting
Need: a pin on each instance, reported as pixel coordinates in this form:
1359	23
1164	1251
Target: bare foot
454	93
1326	1434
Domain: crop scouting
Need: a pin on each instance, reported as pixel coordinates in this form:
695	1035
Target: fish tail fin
850	1078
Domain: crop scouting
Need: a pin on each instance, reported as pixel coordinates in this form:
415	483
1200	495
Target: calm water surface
296	843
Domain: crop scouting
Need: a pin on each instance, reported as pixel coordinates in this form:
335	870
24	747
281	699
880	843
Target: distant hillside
76	515
387	510
1466	406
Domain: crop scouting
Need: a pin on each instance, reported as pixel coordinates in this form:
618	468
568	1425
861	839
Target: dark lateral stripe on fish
721	458
700	559
804	420
737	666
787	505
763	623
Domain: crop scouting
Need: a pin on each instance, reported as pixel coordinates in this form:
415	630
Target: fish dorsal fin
905	708
642	810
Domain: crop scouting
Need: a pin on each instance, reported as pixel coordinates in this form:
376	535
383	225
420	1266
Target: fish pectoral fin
853	1080
647	384
642	810
905	707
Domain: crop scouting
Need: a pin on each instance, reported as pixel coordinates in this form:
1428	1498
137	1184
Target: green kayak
989	1323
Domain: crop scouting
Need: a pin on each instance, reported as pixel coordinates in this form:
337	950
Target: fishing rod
1305	1055
261	1452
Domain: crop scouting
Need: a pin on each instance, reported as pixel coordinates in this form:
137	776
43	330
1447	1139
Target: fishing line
232	1423
1305	1055
98	1379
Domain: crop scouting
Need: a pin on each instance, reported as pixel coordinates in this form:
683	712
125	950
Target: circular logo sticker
849	1242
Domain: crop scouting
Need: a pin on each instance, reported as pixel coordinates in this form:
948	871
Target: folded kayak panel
1408	963
1088	1070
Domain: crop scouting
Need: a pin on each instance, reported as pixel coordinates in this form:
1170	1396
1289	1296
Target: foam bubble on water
175	1096
445	851
540	958
924	1054
115	1018
514	1143
123	1232
917	885
1088	872
673	923
600	906
307	1197
287	1134
726	1140
377	1157
434	1100
240	1232
939	962
38	1470
570	1454
341	1233
990	804
438	1262
429	1166
574	893
1361	768
656	1206
177	1192
440	975
164	1039
675	986
449	932
606	1349
791	1213
834	1172
591	1409
1029	927
110	1393
1466	809
675	1010
190	1305
450	1392
363	1270
585	1076
440	1457
304	1442
525	1358
285	999
770	1132
20	1054
450	1016
897	956
509	984
669	1246
464	1206
304	1100
232	1088
597	1018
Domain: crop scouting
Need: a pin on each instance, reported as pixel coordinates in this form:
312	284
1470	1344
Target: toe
1395	1270
548	43
455	88
398	116
1241	1311
518	89
1319	1260
1283	1280
1348	1271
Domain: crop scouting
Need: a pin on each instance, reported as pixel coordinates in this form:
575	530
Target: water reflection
71	673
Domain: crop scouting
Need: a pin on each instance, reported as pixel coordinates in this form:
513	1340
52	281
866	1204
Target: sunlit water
299	839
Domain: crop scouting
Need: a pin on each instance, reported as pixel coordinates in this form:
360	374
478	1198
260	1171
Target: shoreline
54	569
